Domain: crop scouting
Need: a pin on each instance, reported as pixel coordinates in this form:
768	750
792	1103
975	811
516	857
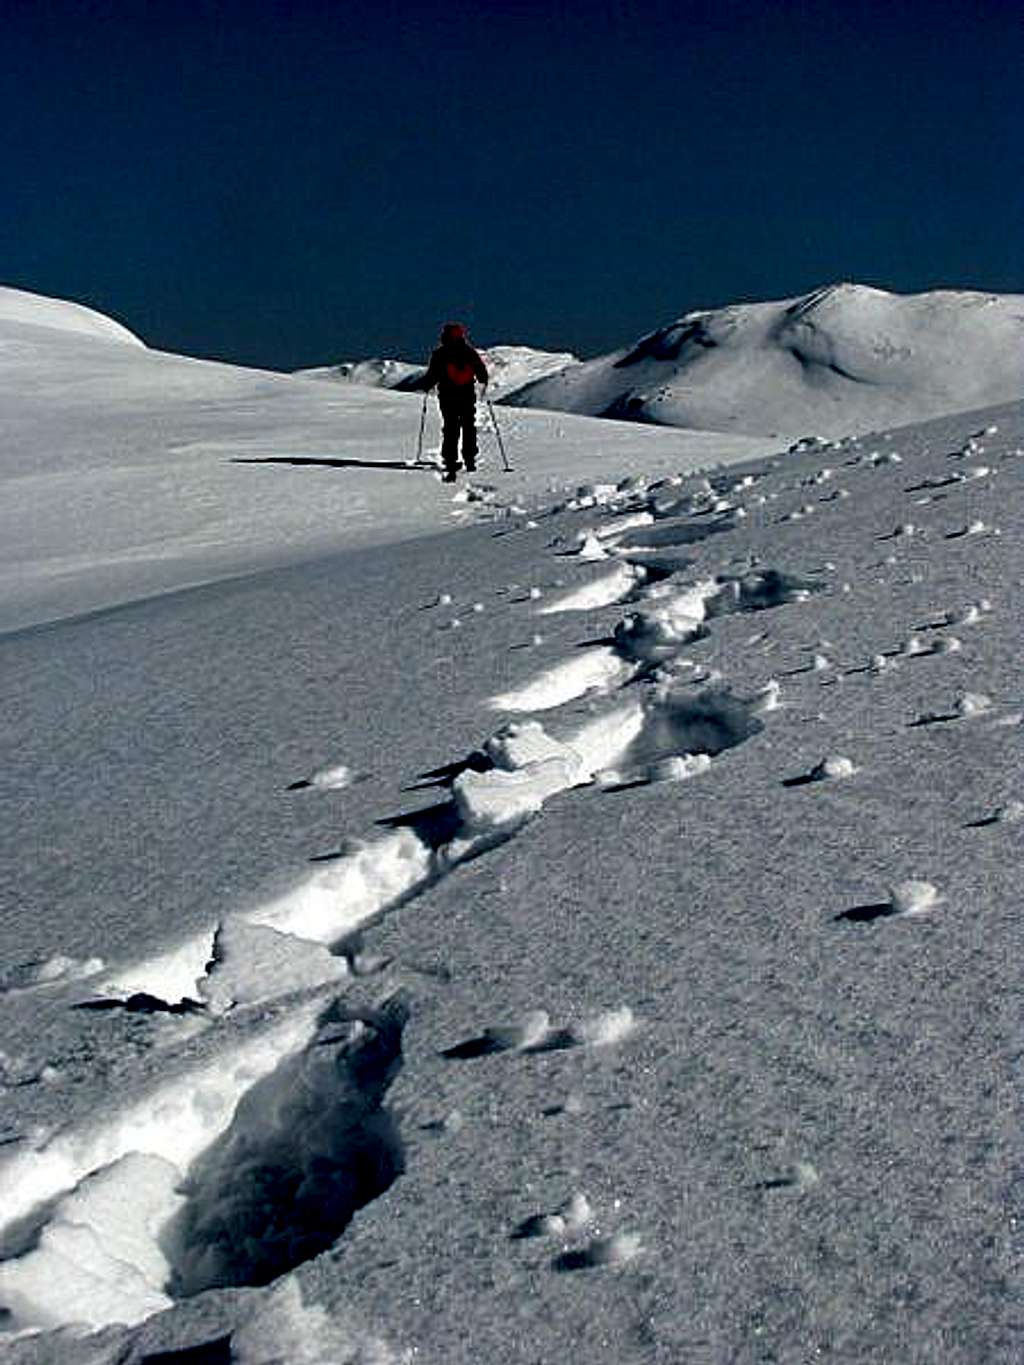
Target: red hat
453	331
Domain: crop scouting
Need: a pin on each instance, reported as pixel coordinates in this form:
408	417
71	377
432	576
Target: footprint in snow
533	1033
1012	813
907	900
832	768
335	777
572	1216
968	705
618	1249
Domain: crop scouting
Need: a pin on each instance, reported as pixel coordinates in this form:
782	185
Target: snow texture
566	1032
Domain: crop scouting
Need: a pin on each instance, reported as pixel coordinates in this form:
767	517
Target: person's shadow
331	462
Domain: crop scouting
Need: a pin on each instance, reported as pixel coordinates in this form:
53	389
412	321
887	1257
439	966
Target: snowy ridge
36	310
842	359
510	368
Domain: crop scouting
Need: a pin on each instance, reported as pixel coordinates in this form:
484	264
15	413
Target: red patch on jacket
459	374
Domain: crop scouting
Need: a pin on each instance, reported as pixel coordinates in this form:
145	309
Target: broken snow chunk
678	767
975	527
252	962
805	1176
618	1249
973	704
766	698
282	1327
879	663
966	616
534	594
335	777
832	768
501	800
522	742
1010	814
444	599
63	968
591	548
912	645
820	662
913	897
576	1212
603	1029
526	1032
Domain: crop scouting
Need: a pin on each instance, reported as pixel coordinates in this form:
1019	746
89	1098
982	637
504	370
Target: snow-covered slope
18	307
588	930
845	358
125	471
511	368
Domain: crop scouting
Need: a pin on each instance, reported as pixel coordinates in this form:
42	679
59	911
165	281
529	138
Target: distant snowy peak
36	310
844	358
375	374
511	367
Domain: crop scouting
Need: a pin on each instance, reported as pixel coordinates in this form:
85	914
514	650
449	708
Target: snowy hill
845	358
511	368
571	915
126	471
20	308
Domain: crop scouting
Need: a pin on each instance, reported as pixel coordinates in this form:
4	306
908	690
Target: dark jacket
453	368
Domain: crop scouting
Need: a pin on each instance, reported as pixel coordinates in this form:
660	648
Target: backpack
459	374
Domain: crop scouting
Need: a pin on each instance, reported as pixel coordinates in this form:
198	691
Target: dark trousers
458	418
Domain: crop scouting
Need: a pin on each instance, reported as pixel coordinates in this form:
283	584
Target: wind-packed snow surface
847	358
586	929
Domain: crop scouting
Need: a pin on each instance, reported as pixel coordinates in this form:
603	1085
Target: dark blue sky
289	184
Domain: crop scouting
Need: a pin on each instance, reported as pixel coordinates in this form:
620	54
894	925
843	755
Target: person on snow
454	367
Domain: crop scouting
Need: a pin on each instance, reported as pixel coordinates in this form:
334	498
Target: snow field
280	946
281	1125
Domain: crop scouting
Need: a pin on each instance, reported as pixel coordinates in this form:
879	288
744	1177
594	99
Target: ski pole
501	443
423	422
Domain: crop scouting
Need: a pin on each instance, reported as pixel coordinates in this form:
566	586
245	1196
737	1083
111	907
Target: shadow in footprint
486	1045
434	825
867	914
807	780
481	1046
142	1003
217	1352
445	775
309	1145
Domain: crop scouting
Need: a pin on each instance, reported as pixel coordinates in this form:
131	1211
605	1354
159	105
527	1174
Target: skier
454	366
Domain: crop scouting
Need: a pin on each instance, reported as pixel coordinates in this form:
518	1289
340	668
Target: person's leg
451	421
469	450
